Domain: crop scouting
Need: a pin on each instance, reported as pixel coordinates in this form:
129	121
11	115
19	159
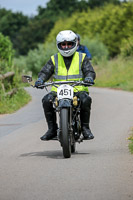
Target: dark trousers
85	101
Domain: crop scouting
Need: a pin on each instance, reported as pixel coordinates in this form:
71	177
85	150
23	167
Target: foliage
6	52
30	36
57	8
116	73
110	23
20	64
117	27
9	105
60	9
6	57
127	47
97	49
36	58
97	3
131	141
50	49
32	63
11	23
30	31
131	146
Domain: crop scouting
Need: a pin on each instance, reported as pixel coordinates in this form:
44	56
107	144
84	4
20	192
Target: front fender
65	103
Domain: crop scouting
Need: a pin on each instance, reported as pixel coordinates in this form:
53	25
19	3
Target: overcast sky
28	7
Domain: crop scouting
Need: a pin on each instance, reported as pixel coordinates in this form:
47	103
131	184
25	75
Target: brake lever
88	84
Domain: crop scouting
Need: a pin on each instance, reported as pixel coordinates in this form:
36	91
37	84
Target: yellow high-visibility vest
74	73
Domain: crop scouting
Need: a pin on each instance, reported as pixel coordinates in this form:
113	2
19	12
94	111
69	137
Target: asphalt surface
101	169
30	113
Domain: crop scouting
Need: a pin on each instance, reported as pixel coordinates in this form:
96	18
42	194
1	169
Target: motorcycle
67	105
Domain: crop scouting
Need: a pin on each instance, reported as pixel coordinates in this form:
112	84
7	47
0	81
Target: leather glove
39	82
89	80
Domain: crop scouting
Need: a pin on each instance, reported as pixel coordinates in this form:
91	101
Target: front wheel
65	137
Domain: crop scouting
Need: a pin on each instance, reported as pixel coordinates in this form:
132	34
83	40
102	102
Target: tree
11	23
37	29
26	33
99	3
6	52
110	24
30	36
56	8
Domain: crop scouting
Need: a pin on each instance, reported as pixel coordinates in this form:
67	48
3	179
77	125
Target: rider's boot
52	126
85	118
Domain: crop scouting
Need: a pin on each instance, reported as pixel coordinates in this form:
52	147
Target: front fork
70	129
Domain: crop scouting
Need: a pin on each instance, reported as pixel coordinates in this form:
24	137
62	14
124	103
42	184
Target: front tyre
66	141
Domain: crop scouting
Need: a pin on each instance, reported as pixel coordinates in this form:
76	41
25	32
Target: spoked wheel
66	141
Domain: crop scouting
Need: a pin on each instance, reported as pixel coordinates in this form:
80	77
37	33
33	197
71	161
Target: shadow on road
50	154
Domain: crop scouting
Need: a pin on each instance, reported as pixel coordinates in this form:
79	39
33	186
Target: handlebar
73	84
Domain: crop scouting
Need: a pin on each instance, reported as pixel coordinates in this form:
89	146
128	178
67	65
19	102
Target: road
101	169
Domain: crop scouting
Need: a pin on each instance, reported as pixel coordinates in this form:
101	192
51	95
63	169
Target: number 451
65	92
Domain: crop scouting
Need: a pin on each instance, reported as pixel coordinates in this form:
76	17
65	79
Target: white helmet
67	36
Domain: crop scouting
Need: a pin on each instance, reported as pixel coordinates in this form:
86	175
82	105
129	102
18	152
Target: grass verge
131	141
9	105
116	73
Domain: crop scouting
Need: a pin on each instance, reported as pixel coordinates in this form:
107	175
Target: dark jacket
84	49
48	70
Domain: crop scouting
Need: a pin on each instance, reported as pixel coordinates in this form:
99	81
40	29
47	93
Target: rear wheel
66	141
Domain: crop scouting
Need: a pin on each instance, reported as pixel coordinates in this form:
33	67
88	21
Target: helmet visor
66	45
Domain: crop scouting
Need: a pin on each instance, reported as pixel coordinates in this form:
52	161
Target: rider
83	49
67	64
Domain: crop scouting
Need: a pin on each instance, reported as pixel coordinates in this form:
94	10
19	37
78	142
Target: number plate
65	92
